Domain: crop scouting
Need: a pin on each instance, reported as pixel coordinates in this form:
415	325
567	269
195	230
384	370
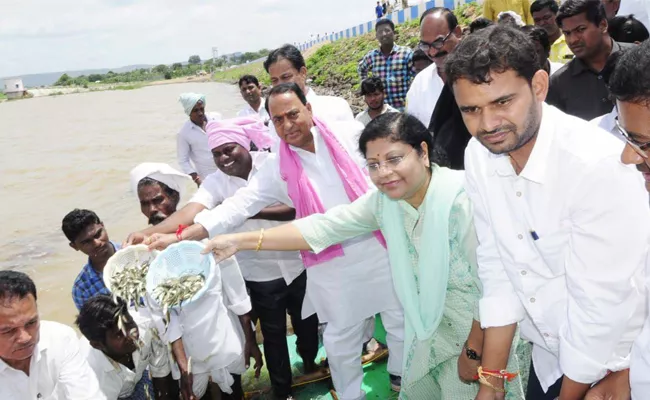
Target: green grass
131	86
232	75
2	96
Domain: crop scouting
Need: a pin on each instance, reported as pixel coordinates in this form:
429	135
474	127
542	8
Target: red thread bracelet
180	230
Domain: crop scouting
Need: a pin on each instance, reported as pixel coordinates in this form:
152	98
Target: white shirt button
520	236
546	335
532	299
524	272
518	194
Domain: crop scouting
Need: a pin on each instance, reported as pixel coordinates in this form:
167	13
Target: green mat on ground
375	377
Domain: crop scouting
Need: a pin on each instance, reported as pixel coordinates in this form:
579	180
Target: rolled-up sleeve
499	305
606	259
234	288
340	223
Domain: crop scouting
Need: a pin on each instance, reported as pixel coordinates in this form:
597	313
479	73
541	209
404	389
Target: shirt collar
40	348
116	247
316	134
392	51
536	166
578	66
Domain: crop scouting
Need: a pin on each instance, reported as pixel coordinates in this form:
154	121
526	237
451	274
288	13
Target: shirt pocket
552	248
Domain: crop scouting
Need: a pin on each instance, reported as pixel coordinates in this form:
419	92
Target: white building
14	88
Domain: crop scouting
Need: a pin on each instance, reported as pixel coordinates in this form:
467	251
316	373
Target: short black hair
397	127
420	55
452	21
539	35
495	49
288	87
385	21
593	8
479	23
99	315
630	81
249	79
627	29
371	85
539	5
16	284
76	221
287	51
147	181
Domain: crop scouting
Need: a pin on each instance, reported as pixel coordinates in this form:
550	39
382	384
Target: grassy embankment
333	67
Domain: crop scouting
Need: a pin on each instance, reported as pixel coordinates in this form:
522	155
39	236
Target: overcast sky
49	36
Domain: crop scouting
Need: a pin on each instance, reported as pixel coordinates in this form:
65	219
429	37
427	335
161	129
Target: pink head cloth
241	130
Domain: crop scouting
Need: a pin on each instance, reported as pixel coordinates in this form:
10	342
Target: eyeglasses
436	44
389	164
640	148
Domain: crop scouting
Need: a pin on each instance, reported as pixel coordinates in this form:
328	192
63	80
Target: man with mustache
87	234
578	88
432	101
630	87
251	92
38	359
192	151
159	188
557	255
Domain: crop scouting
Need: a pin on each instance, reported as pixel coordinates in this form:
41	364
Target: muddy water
76	151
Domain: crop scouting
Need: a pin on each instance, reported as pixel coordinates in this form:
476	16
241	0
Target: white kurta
562	247
115	379
249	111
58	370
192	150
344	290
255	266
423	94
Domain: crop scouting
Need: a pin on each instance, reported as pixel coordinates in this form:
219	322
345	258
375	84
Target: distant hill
35	80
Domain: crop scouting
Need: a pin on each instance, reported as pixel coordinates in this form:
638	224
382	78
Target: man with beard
429	99
38	359
87	234
250	90
390	62
630	87
578	88
159	188
192	150
544	13
552	204
372	90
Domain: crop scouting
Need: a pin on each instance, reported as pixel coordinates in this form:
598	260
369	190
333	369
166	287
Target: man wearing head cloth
159	188
192	149
276	280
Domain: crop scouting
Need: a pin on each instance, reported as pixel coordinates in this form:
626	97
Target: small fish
189	365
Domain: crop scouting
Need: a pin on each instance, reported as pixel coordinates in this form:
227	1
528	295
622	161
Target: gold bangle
259	242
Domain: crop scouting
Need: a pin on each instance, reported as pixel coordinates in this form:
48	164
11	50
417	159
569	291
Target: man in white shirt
123	354
372	90
347	291
251	92
552	204
38	359
286	64
192	151
159	188
629	84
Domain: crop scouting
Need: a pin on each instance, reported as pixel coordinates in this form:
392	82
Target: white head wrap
518	20
189	100
162	173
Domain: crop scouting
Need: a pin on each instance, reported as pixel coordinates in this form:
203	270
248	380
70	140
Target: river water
76	151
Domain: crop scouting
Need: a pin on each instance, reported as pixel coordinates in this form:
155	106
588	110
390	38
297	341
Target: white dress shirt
117	380
364	116
210	329
261	266
330	108
344	290
58	370
577	290
423	94
261	113
192	150
640	357
608	123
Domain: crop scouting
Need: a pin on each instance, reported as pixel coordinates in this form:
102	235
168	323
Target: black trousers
535	392
271	301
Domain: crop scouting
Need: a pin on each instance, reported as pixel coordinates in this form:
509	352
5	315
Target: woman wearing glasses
426	219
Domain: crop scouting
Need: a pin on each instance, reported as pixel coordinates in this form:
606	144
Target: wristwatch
471	353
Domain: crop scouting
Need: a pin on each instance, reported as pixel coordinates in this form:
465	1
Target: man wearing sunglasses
629	85
429	99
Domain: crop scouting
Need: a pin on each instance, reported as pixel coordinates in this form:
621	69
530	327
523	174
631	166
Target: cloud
38	36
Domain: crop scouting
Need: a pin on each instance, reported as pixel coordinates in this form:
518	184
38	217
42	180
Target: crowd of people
485	205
